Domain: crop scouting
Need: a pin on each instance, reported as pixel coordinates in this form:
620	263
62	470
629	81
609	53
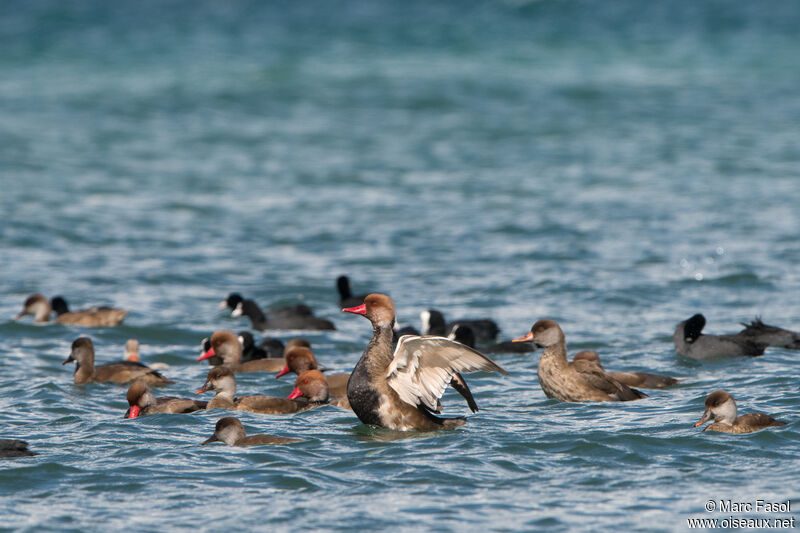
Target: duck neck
379	350
226	389
42	312
556	355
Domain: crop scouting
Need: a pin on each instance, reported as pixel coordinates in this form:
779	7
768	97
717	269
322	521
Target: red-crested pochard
299	359
691	342
580	381
721	408
230	431
141	401
226	345
119	372
38	306
400	390
313	386
221	380
631	379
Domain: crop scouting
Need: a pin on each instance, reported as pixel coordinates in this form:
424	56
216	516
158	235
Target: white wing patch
423	366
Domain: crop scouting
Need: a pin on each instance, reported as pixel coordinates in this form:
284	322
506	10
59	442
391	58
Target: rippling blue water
616	166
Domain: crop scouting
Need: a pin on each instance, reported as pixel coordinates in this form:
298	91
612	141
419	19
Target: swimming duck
400	390
299	359
10	448
230	431
690	342
120	372
721	408
38	306
142	402
579	381
312	385
433	323
631	379
221	380
226	345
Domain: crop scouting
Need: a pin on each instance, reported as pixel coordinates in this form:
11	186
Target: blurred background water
617	166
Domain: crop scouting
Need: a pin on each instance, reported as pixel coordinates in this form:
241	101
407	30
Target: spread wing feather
423	366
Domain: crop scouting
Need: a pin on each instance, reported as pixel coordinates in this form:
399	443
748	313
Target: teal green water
616	166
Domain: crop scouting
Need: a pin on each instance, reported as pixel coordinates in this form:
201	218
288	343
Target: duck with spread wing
400	389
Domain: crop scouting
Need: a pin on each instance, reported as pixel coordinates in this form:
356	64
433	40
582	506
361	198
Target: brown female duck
631	379
580	381
38	306
230	431
120	372
721	408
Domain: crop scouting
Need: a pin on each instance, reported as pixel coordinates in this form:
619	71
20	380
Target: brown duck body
269	405
221	379
142	402
631	379
301	358
118	372
270	364
97	317
170	404
721	408
580	381
230	431
746	424
42	309
226	345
